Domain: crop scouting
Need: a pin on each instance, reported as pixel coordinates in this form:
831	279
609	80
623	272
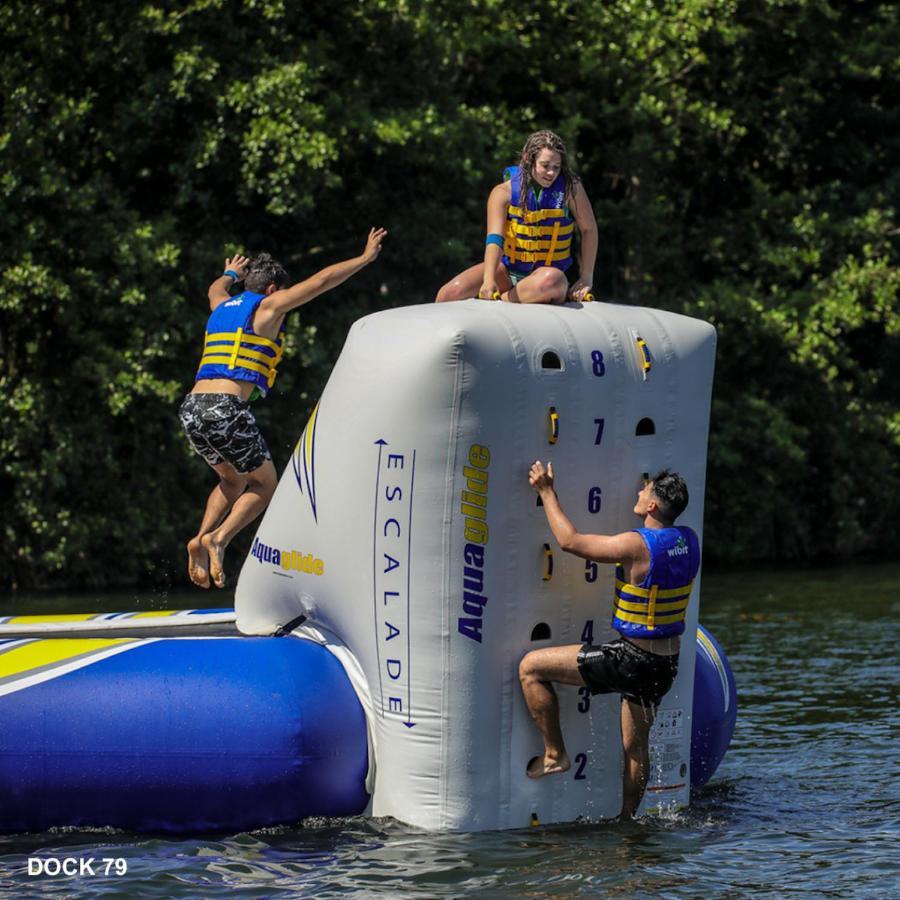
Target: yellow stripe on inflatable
155	613
720	667
61	617
713	653
47	652
310	431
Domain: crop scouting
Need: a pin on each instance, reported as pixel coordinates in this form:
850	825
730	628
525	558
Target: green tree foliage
742	158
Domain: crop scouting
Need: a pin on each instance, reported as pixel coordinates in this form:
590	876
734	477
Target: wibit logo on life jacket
303	462
287	559
680	549
236	302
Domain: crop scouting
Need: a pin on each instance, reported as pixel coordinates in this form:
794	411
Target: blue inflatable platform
210	733
176	734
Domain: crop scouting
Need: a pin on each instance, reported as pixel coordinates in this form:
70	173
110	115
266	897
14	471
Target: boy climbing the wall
655	568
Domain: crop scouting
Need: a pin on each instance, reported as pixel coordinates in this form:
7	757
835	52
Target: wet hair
264	271
545	140
671	493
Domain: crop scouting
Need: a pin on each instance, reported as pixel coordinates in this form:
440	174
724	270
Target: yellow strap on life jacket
637	619
229	336
538	255
667	594
655	608
640	607
542	244
536	215
531	241
553	242
539	231
231	348
539	249
211	359
509	247
530	247
651	606
237	346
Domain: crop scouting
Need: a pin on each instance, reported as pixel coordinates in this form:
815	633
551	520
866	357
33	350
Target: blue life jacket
539	229
232	349
656	607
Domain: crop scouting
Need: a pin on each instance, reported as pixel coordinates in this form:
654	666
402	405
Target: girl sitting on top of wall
531	218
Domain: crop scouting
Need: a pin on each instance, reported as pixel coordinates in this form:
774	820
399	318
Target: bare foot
216	560
539	766
198	562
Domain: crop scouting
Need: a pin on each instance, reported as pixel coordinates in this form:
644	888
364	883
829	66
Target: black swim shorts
221	428
621	667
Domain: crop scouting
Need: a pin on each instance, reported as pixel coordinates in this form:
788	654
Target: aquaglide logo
287	559
473	506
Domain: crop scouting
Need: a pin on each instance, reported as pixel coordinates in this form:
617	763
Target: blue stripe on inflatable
185	735
714	709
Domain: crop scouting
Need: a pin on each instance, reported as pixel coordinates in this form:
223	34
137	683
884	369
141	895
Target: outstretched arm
280	302
587	227
235	269
625	547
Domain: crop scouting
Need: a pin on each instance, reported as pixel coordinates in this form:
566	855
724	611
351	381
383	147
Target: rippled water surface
805	804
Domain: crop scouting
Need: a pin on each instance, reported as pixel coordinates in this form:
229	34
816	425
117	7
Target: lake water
805	804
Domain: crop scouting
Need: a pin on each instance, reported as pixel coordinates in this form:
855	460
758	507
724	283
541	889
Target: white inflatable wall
406	531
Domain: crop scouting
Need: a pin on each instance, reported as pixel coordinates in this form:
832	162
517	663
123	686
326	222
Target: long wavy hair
545	140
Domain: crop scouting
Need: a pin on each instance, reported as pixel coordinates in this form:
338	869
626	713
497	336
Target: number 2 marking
581	759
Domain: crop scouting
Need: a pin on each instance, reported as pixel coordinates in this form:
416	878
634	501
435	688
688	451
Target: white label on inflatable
405	526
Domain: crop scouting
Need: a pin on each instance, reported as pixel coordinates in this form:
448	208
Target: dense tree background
742	156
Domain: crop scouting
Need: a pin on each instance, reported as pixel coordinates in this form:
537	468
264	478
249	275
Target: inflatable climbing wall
405	534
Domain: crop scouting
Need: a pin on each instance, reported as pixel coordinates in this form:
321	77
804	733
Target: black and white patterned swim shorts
221	428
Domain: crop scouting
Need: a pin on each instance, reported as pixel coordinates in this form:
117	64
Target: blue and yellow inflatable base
176	734
194	734
714	709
